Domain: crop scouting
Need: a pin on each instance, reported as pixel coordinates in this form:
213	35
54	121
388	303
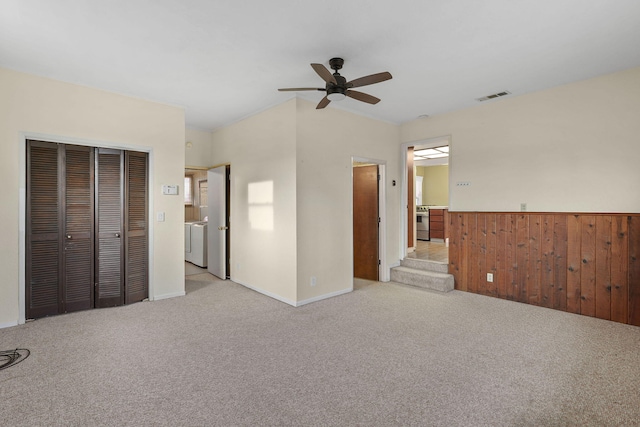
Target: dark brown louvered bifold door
136	239
87	228
43	230
59	271
77	211
109	202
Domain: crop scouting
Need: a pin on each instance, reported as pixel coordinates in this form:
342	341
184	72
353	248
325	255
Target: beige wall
310	167
200	152
327	141
37	107
197	153
435	184
569	148
261	149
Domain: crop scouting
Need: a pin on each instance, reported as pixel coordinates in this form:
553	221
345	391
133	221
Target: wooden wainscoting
580	263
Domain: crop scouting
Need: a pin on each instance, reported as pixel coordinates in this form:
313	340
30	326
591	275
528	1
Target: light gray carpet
385	354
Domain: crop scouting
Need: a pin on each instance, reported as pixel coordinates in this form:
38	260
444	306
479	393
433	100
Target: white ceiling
223	60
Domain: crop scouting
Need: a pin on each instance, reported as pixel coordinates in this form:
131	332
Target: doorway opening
207	221
195	216
426	190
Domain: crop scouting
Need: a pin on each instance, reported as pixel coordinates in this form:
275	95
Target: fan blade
296	89
364	97
323	103
369	80
324	73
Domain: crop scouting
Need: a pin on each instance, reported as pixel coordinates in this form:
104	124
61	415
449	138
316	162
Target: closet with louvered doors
81	253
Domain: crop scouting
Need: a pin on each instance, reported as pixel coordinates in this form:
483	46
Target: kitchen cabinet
437	222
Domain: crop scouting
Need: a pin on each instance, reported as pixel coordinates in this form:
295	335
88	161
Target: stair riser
423	265
422	281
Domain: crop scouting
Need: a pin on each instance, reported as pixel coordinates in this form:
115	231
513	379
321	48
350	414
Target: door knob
68	236
117	234
221	228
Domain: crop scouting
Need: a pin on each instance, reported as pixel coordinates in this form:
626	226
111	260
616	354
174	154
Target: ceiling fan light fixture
338	88
336	96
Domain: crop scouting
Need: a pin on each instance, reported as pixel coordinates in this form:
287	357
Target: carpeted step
441	282
426	265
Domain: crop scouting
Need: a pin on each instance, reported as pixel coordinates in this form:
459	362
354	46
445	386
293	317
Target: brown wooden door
365	222
136	225
109	221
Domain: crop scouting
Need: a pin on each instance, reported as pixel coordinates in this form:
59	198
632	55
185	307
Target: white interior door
217	229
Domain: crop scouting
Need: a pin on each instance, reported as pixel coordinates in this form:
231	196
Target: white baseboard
8	324
290	302
267	293
325	296
166	296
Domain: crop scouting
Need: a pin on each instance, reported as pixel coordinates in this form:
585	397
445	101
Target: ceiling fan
337	87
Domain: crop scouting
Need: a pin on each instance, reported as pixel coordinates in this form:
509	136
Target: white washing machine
195	243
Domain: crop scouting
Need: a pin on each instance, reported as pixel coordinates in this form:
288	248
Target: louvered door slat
43	279
110	283
136	284
110	218
137	271
43	230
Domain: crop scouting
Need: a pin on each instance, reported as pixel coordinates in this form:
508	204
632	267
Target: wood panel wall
587	264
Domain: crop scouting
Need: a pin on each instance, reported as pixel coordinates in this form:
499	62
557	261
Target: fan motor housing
336	63
340	87
338	91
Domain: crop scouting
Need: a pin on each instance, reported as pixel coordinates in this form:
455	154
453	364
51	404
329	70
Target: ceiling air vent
495	95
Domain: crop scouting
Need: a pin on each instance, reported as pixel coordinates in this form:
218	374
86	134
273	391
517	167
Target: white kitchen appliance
422	222
195	243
